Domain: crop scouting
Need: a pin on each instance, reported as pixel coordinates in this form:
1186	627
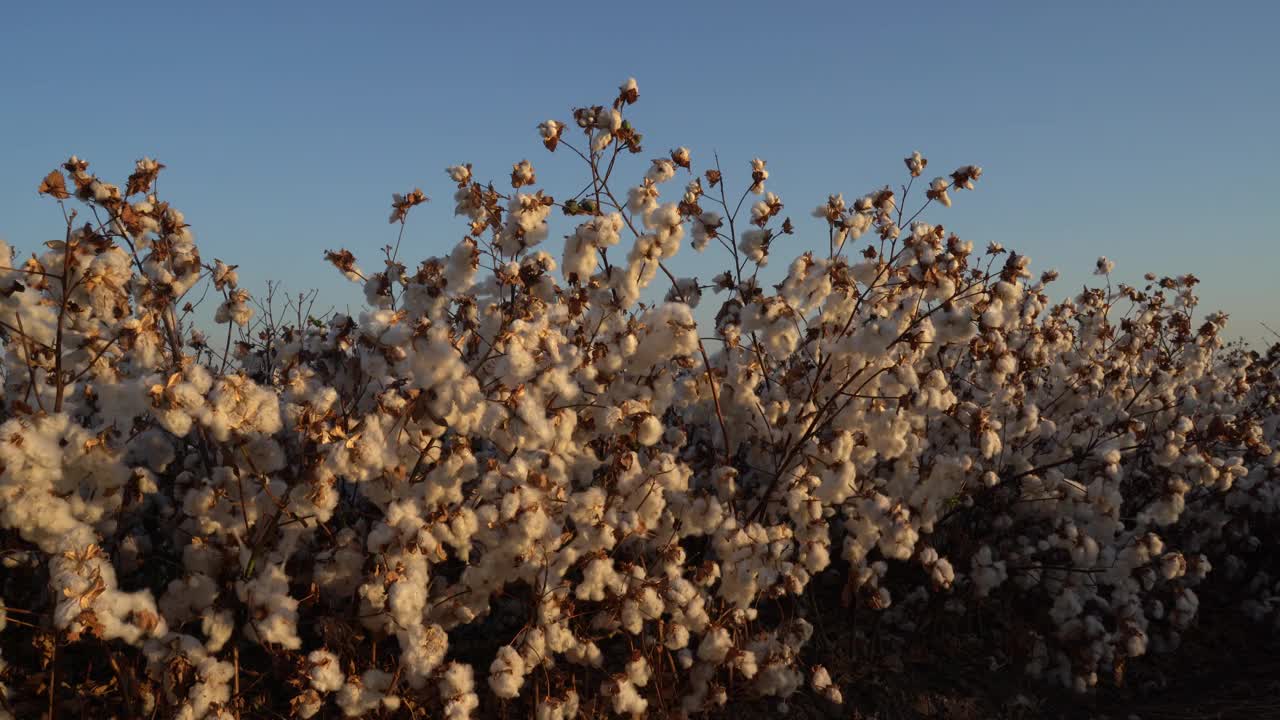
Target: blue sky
1143	131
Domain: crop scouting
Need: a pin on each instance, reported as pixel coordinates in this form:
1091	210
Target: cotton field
552	476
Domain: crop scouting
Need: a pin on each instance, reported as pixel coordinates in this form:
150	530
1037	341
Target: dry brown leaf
55	185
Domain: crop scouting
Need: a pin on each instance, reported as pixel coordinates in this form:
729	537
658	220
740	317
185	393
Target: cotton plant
541	477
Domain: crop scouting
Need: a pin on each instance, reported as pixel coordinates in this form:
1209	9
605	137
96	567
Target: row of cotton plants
563	480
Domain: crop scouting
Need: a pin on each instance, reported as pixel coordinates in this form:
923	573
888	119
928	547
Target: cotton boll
1136	643
705	227
1172	565
324	671
1067	606
661	171
755	245
268	591
558	708
217	628
506	674
625	698
598	579
423	648
307	704
7	277
820	681
358	699
987	573
638	671
586	653
649	430
837	484
715	646
1185	606
778	679
677	636
407	598
670	332
758	175
744	663
526	224
224	275
989	443
235	309
456	686
938	191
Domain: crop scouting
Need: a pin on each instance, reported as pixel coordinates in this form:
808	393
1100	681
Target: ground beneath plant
1226	669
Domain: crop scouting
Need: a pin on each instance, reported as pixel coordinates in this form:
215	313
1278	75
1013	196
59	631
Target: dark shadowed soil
1225	670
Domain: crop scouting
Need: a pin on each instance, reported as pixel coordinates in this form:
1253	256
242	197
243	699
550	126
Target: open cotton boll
777	678
661	170
626	699
715	646
526	223
599	579
307	704
217	628
637	671
423	649
7	277
744	663
649	430
370	693
755	245
235	309
268	593
820	681
325	671
213	688
558	708
987	573
506	674
457	690
705	227
670	332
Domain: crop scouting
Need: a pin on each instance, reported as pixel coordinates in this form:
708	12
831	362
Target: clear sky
1145	131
